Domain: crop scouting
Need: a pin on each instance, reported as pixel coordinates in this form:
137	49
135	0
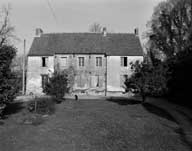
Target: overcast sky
77	16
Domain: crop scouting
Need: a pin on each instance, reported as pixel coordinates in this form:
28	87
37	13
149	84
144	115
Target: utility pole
105	74
23	87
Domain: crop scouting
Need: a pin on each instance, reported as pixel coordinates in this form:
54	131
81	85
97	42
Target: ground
111	124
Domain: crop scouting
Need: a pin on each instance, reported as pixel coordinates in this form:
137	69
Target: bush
148	80
8	84
57	85
181	81
43	106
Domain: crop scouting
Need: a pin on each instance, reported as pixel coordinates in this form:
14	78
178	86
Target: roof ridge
60	33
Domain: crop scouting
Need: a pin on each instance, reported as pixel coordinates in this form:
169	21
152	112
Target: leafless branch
6	30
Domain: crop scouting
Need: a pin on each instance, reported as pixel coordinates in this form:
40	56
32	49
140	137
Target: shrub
149	80
42	105
8	84
57	85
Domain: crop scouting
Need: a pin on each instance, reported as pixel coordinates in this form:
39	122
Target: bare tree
95	28
6	30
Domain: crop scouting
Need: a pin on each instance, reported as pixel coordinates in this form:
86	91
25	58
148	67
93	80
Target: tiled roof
112	44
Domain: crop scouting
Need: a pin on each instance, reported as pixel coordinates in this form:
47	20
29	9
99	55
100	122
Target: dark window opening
98	61
81	61
124	61
44	61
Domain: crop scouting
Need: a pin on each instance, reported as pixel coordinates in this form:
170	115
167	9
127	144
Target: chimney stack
104	31
136	31
38	32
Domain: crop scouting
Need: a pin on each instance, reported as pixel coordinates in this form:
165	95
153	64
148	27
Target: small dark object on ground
76	97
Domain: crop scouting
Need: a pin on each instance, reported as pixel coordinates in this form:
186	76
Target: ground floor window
44	80
122	79
81	81
96	81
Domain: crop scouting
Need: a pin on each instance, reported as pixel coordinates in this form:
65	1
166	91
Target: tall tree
6	30
170	27
171	34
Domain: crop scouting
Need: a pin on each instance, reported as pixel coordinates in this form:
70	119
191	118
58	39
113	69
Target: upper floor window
44	61
81	61
98	61
124	61
63	61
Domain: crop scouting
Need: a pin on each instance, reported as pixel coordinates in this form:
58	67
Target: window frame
81	61
98	61
123	77
124	61
61	61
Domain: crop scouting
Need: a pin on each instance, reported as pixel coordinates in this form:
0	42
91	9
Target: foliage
8	82
170	27
57	85
6	30
42	105
147	79
70	72
180	83
95	28
170	47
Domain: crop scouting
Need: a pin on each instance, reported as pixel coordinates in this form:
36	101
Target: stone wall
34	72
89	79
88	76
115	71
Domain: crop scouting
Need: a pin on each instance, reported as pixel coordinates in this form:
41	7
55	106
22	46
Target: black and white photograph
95	75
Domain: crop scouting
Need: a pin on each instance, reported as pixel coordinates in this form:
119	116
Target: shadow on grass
123	101
158	111
13	108
164	114
184	138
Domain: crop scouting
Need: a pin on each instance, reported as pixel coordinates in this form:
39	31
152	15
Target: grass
94	125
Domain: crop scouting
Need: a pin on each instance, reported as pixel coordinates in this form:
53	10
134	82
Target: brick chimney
38	32
136	31
104	31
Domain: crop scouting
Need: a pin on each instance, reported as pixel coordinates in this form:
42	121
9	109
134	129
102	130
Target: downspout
105	74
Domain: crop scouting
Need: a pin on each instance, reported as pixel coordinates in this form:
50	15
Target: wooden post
35	104
23	85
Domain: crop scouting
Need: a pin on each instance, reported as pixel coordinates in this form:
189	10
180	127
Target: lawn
93	125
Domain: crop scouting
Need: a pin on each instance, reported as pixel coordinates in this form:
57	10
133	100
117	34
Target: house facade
101	61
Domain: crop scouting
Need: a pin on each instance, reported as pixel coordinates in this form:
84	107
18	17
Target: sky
53	16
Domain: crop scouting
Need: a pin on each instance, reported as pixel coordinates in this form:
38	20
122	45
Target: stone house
101	60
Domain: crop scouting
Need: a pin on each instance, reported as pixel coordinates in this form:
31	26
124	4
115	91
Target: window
44	80
98	61
44	61
81	61
63	61
123	79
81	81
99	81
124	61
